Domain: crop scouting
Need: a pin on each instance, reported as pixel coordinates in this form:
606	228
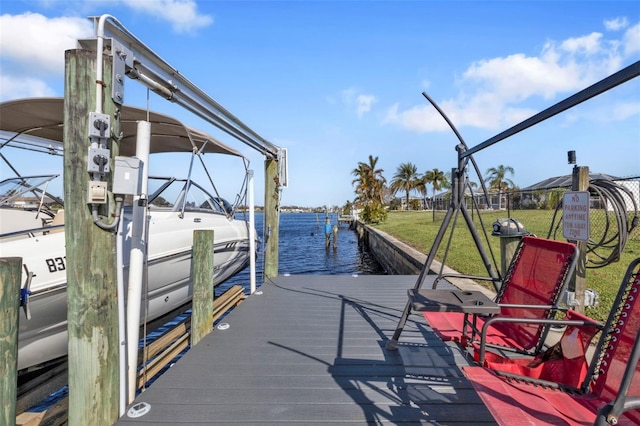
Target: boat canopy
44	118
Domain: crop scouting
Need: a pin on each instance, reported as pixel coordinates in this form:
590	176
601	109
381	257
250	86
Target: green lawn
418	229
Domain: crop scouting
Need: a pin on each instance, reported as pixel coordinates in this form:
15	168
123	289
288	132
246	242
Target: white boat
32	222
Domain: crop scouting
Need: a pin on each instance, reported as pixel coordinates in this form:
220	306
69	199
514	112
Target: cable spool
606	248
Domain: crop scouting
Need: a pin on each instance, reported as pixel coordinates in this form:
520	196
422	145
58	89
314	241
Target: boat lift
133	59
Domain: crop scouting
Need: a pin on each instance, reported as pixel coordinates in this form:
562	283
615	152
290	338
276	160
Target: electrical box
98	161
97	192
127	175
283	167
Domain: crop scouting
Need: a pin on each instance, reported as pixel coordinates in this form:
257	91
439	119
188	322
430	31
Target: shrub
374	213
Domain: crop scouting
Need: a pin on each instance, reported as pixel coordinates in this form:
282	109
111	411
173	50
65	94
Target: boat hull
43	337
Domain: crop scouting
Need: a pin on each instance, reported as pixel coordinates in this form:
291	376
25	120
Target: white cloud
631	40
37	43
493	93
21	87
33	45
364	103
616	24
420	118
518	77
588	45
353	99
625	110
182	14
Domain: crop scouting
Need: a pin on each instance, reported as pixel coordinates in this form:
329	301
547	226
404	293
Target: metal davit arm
137	61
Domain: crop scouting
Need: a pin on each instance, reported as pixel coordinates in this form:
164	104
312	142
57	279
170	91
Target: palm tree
360	182
369	181
438	180
496	177
405	179
370	186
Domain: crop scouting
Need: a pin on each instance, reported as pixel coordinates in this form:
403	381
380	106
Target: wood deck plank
311	350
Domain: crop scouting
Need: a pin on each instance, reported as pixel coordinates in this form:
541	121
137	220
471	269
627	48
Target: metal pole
456	204
252	236
426	267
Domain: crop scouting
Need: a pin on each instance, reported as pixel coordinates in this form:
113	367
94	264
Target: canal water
302	250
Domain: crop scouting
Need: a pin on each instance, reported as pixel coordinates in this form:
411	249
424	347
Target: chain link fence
613	206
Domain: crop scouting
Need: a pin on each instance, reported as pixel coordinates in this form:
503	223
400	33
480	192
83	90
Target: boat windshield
173	193
14	190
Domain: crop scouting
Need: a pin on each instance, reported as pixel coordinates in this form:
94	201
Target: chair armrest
526	306
471	277
485	327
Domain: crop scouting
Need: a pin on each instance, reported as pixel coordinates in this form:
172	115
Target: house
540	192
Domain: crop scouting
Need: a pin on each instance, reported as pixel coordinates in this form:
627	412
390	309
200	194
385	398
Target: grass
418	229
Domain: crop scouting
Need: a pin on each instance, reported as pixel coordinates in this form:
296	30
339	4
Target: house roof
565	181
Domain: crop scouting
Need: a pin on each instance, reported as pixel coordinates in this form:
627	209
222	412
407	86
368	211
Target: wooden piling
10	274
271	218
202	273
91	261
580	182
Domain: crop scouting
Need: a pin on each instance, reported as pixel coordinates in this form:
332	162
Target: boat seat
58	219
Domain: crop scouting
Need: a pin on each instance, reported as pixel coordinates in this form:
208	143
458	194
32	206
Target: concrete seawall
395	257
398	258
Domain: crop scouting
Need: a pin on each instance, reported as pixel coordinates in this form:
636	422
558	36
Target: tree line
373	194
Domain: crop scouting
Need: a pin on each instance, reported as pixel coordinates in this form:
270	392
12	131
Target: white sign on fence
575	215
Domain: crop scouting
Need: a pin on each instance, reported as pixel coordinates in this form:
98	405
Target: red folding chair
531	289
610	392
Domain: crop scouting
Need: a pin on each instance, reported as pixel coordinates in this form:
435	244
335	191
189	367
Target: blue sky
334	81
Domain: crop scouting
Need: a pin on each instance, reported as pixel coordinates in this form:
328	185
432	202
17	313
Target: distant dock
345	218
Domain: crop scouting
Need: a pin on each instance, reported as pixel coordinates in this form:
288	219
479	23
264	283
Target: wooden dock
311	350
346	218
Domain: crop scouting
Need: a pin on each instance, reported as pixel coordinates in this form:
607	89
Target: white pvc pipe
137	259
252	237
122	333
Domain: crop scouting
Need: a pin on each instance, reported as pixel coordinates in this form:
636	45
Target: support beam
202	273
271	218
10	274
91	263
580	182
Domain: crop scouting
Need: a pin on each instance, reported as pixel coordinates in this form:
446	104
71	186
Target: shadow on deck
311	350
